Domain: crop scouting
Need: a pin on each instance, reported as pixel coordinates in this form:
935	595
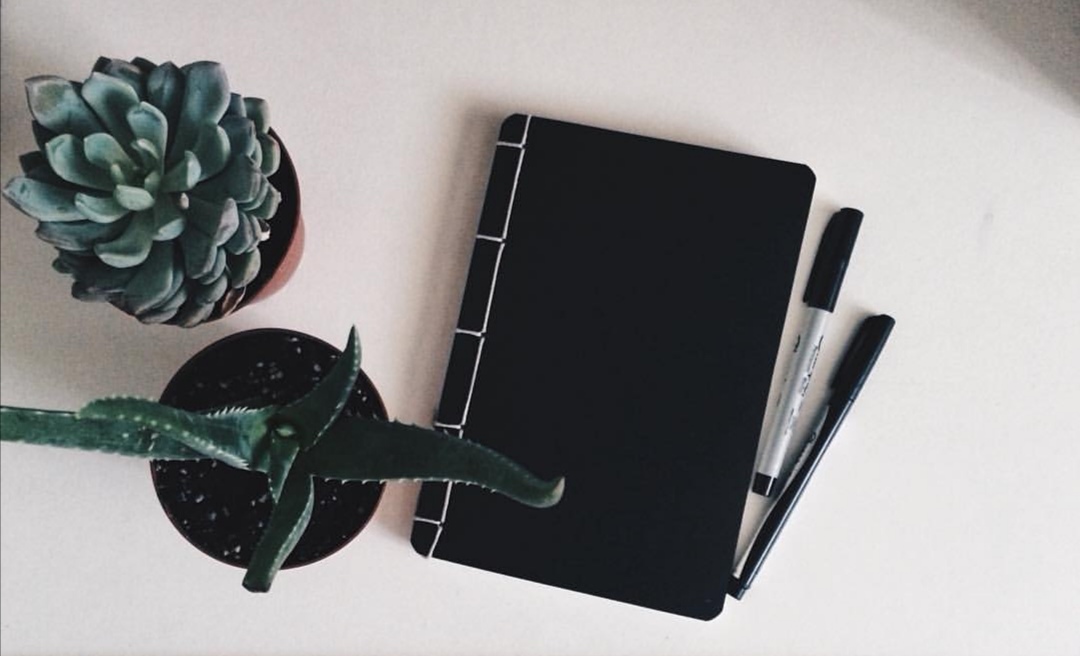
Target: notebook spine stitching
480	335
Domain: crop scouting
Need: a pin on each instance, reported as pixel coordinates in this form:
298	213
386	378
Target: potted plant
290	445
163	192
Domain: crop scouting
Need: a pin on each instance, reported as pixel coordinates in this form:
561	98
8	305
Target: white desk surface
945	519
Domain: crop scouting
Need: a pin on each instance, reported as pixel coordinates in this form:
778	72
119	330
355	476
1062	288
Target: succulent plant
151	182
290	444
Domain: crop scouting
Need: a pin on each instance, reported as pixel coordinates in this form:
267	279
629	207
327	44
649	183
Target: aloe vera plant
290	444
151	181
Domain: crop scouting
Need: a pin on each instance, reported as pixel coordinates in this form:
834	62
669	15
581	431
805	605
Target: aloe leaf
133	198
206	97
153	283
42	201
111	99
313	413
271	154
97	278
288	521
169	221
100	209
244	267
212	148
68	159
229	436
148	122
356	448
133	246
258	110
216	220
79	235
183	175
280	457
57	107
64	429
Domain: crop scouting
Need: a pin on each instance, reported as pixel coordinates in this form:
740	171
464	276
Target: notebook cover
619	326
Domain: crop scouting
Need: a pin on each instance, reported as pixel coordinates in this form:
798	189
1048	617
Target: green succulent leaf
314	412
236	105
216	220
92	274
127	72
356	448
245	238
165	90
44	202
79	235
288	521
184	175
199	253
67	157
243	268
271	154
206	97
152	284
192	313
169	221
211	292
258	110
259	197
103	151
58	108
133	198
100	209
241	134
230	436
239	181
133	246
111	99
149	123
148	154
64	429
212	148
269	206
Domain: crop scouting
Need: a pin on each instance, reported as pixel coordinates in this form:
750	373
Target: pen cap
861	355
830	264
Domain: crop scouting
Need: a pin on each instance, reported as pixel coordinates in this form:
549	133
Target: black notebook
619	326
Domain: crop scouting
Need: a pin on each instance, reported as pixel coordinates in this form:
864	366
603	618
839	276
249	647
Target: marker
846	383
822	289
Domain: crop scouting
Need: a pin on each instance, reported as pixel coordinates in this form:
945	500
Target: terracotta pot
222	510
280	253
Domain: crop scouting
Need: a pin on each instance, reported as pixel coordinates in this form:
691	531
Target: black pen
846	382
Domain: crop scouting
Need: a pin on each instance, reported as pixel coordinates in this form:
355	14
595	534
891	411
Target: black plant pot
223	510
